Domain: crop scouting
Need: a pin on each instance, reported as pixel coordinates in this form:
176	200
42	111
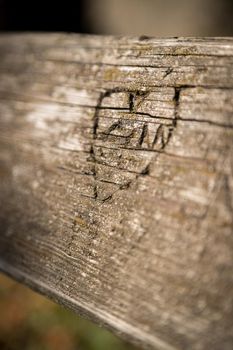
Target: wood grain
116	185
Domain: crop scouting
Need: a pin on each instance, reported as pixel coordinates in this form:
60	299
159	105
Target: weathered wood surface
116	181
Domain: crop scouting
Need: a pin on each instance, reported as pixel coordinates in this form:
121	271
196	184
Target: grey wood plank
116	184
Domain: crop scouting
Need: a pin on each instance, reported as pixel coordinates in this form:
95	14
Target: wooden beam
116	182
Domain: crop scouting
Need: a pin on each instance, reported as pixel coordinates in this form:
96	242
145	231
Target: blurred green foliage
29	321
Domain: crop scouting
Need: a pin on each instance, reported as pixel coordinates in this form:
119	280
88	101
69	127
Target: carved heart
128	132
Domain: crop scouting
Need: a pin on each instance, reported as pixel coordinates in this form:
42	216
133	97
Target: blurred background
29	321
132	17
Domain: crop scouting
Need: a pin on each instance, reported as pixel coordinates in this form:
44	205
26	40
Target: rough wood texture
116	181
